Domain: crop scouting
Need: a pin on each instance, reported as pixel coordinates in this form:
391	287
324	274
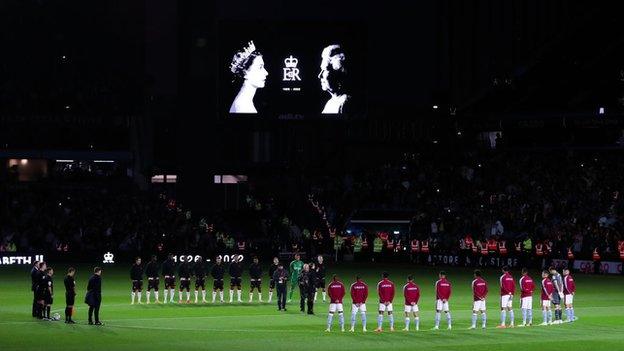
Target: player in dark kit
93	298
255	273
168	271
199	271
136	275
34	277
153	279
236	271
320	277
70	294
217	272
184	271
48	292
272	270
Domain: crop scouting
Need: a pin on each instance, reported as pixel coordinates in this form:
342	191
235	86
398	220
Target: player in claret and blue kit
547	295
359	294
527	286
479	294
336	291
385	289
507	290
443	294
569	289
411	292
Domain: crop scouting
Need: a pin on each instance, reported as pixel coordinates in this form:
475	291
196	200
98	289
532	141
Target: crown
291	62
242	56
108	257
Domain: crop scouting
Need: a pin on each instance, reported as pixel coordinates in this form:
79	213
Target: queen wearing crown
248	69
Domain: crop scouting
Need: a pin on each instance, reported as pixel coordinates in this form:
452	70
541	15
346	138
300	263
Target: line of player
185	271
554	290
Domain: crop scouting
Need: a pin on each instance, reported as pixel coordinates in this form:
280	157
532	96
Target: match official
93	297
70	294
280	277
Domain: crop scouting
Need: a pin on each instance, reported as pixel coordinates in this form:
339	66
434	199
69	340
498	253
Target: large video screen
291	70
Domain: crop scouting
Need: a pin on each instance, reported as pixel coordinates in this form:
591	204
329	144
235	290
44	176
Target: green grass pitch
599	307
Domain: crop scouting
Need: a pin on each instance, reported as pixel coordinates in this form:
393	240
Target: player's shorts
200	283
320	283
272	284
170	282
356	309
217	284
546	303
137	285
333	307
411	308
442	306
506	301
70	298
236	281
47	299
185	284
383	307
569	299
39	295
478	305
256	283
152	283
556	299
526	303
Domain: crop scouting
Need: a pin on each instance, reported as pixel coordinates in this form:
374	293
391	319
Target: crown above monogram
291	61
242	56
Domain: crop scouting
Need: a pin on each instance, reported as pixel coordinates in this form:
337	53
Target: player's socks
391	318
260	296
238	295
48	311
250	297
503	317
353	320
379	321
270	296
417	322
448	319
196	295
214	296
147	296
180	296
407	323
545	317
341	320
156	295
139	294
171	295
330	318
363	321
188	296
530	315
474	320
133	295
315	293
324	295
231	295
203	295
572	314
165	296
221	296
550	316
511	318
437	319
524	316
483	320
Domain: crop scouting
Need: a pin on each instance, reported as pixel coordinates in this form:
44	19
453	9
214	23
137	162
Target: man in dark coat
94	296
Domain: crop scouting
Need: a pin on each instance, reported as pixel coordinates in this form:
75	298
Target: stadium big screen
291	70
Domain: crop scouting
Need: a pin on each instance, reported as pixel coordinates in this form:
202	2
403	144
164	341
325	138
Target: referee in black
307	287
280	276
70	294
94	296
34	277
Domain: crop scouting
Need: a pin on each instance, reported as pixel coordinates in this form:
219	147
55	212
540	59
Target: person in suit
94	296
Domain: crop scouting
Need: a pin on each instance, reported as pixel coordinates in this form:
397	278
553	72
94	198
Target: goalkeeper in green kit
296	266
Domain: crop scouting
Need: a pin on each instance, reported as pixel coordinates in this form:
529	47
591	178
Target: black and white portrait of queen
333	78
248	70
